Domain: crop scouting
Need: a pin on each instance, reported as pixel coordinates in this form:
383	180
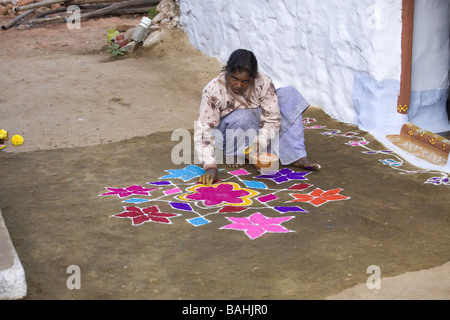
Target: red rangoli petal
302	197
331	192
335	197
140	219
150	210
159	219
231	209
317	192
128	214
163	215
318	201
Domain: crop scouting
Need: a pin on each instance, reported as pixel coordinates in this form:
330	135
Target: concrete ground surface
90	122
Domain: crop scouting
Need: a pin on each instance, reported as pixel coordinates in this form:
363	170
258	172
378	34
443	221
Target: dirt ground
91	122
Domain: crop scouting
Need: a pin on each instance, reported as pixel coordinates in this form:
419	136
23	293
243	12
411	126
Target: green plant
115	51
152	12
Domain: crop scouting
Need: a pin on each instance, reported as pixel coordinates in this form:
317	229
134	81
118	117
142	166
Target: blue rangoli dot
187	173
199	221
136	200
255	184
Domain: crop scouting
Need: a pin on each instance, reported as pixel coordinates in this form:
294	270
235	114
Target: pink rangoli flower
257	224
139	216
128	191
319	197
228	193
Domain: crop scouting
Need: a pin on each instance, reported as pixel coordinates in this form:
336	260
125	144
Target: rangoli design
128	191
319	197
139	216
220	194
256	204
394	161
257	224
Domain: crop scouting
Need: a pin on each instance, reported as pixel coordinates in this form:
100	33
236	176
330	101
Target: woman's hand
209	177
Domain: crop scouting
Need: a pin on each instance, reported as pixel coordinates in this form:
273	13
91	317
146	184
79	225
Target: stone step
12	275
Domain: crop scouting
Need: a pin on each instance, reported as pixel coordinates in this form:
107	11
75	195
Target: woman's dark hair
242	60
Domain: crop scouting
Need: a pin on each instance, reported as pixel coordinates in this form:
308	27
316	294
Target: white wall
342	55
431	62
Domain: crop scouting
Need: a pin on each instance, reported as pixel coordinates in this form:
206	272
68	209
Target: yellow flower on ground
16	140
3	134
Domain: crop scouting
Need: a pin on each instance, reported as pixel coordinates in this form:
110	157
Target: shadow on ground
51	206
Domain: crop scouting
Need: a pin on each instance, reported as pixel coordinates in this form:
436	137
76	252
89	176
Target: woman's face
238	81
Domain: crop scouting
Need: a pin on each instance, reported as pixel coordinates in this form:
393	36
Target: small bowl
265	161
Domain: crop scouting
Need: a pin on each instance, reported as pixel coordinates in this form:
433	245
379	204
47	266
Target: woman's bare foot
304	163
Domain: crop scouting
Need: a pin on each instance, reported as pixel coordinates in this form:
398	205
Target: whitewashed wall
342	55
431	61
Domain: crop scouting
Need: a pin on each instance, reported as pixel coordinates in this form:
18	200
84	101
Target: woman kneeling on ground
243	100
